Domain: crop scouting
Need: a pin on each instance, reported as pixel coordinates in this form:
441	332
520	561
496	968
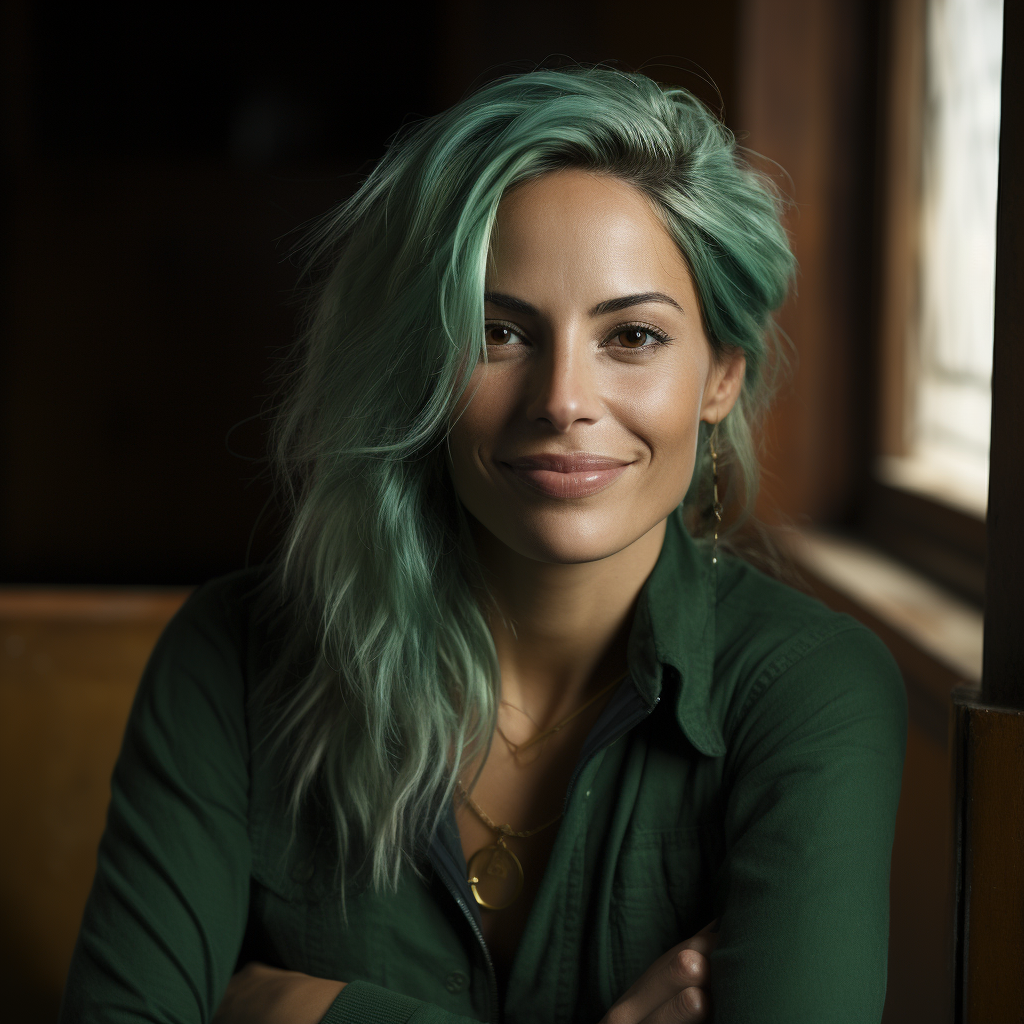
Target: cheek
461	458
665	414
477	422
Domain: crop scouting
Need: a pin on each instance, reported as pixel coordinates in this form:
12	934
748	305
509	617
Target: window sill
935	636
962	486
941	542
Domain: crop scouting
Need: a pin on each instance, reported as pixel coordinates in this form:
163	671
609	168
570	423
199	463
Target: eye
500	334
638	336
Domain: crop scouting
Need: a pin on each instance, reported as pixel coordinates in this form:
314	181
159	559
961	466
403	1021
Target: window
937	321
949	348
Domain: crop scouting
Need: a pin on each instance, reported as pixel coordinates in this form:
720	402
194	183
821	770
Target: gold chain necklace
517	748
495	874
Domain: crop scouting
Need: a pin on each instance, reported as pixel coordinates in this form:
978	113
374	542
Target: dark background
158	163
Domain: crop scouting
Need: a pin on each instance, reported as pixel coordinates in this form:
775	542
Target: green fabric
364	1003
758	783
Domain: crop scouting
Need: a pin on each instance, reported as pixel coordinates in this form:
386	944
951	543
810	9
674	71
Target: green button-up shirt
747	769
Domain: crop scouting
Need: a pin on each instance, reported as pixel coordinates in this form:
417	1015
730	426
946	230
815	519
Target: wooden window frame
945	543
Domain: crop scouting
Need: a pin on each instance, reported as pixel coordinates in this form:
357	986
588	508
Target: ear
724	385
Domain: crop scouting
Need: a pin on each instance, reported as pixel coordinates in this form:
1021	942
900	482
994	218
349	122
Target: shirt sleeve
814	768
364	1003
166	915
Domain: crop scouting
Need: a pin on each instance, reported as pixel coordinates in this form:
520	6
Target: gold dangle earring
716	508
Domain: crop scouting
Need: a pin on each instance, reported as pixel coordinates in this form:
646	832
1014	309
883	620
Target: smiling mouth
566	476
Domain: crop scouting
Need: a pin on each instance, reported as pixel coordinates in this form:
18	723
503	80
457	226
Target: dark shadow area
159	167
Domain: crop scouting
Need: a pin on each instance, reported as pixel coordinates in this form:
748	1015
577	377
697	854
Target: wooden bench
70	661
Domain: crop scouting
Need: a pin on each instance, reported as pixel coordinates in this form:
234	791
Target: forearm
259	994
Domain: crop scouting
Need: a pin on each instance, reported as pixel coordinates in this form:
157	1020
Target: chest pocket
662	893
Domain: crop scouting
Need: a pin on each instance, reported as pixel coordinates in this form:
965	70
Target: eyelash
660	338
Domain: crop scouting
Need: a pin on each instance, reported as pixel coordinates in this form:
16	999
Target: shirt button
456	982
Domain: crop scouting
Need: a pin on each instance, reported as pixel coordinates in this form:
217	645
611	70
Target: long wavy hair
400	680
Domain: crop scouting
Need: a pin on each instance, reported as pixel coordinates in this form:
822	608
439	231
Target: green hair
401	681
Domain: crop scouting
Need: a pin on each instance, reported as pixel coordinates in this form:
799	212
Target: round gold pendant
495	877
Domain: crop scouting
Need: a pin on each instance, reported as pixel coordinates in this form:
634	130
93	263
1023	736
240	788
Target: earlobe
725	386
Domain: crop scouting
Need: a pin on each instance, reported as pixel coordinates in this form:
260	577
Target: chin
566	537
566	551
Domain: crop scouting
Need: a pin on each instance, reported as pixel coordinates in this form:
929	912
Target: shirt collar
672	642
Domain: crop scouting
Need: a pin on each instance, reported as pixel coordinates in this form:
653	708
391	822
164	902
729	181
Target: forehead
571	228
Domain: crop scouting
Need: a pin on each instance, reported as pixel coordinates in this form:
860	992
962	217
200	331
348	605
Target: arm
167	910
814	773
259	994
671	991
166	916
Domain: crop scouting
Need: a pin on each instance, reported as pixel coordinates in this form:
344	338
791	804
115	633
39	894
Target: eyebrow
510	302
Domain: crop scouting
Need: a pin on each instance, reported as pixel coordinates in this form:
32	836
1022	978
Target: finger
690	1006
684	966
681	968
706	940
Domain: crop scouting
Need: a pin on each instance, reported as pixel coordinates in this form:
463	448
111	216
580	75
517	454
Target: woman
497	733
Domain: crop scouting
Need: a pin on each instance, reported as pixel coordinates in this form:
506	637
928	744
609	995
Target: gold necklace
495	874
517	748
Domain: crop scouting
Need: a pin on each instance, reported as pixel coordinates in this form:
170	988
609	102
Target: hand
259	994
673	990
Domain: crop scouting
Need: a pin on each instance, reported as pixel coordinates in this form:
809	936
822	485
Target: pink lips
566	476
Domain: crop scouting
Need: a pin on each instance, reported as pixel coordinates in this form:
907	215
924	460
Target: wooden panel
988	789
919	985
806	94
990	869
69	666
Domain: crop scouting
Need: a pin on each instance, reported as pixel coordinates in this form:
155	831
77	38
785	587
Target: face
577	436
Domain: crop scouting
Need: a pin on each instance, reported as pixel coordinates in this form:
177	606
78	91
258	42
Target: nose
563	387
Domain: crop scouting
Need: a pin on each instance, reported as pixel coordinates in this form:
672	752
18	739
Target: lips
572	475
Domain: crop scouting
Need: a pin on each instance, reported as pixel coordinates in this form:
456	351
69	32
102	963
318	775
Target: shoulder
224	604
782	653
202	667
219	619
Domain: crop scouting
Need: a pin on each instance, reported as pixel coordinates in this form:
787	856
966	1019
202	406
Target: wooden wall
70	662
807	101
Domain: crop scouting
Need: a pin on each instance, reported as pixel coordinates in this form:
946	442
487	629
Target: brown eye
498	334
633	337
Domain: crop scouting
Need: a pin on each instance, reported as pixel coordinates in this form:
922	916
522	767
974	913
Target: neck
561	630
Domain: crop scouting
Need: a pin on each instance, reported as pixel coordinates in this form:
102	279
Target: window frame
945	543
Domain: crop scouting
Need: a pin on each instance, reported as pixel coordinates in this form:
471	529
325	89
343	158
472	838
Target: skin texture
564	572
259	994
564	379
567	571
